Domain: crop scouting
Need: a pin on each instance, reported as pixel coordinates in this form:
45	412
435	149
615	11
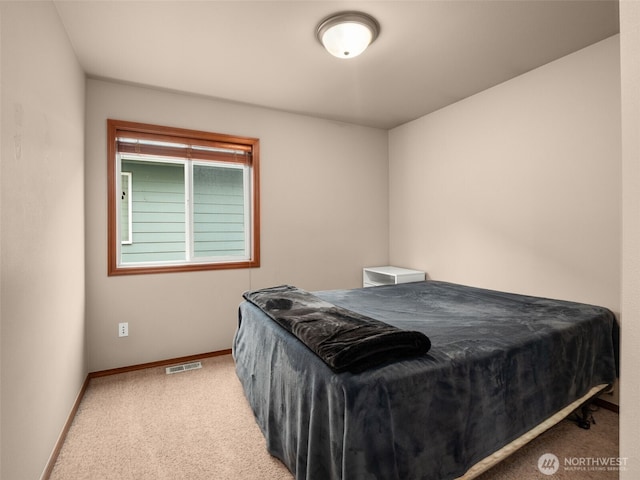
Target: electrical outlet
123	329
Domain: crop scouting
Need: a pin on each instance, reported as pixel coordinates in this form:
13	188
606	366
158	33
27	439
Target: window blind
211	151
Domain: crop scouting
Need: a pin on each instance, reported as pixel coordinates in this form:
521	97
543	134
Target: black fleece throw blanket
344	340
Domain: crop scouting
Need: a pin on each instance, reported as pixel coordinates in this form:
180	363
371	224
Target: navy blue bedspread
499	365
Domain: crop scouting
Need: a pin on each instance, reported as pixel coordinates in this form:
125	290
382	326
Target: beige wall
42	235
630	381
517	188
324	216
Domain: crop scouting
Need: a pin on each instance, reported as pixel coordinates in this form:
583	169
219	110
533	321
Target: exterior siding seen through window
158	212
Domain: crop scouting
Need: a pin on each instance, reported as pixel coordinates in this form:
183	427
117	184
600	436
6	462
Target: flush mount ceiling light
347	34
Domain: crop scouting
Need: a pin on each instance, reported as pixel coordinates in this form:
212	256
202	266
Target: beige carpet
197	425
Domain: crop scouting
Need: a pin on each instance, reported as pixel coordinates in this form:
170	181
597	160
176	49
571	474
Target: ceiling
429	53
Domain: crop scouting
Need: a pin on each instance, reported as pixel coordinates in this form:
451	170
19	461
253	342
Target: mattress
500	364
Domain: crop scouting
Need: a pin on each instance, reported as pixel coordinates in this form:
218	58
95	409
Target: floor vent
183	368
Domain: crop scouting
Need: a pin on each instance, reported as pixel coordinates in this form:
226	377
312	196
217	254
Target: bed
499	368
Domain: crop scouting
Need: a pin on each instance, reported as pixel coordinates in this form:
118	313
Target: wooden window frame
191	138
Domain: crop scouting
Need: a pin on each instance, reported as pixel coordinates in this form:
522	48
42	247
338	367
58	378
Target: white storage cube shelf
388	275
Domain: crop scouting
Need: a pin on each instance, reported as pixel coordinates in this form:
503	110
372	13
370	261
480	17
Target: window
181	200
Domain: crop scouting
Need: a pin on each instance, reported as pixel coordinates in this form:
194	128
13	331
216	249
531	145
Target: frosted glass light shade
347	35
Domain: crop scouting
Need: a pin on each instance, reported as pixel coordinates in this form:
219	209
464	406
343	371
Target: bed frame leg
585	417
584	413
